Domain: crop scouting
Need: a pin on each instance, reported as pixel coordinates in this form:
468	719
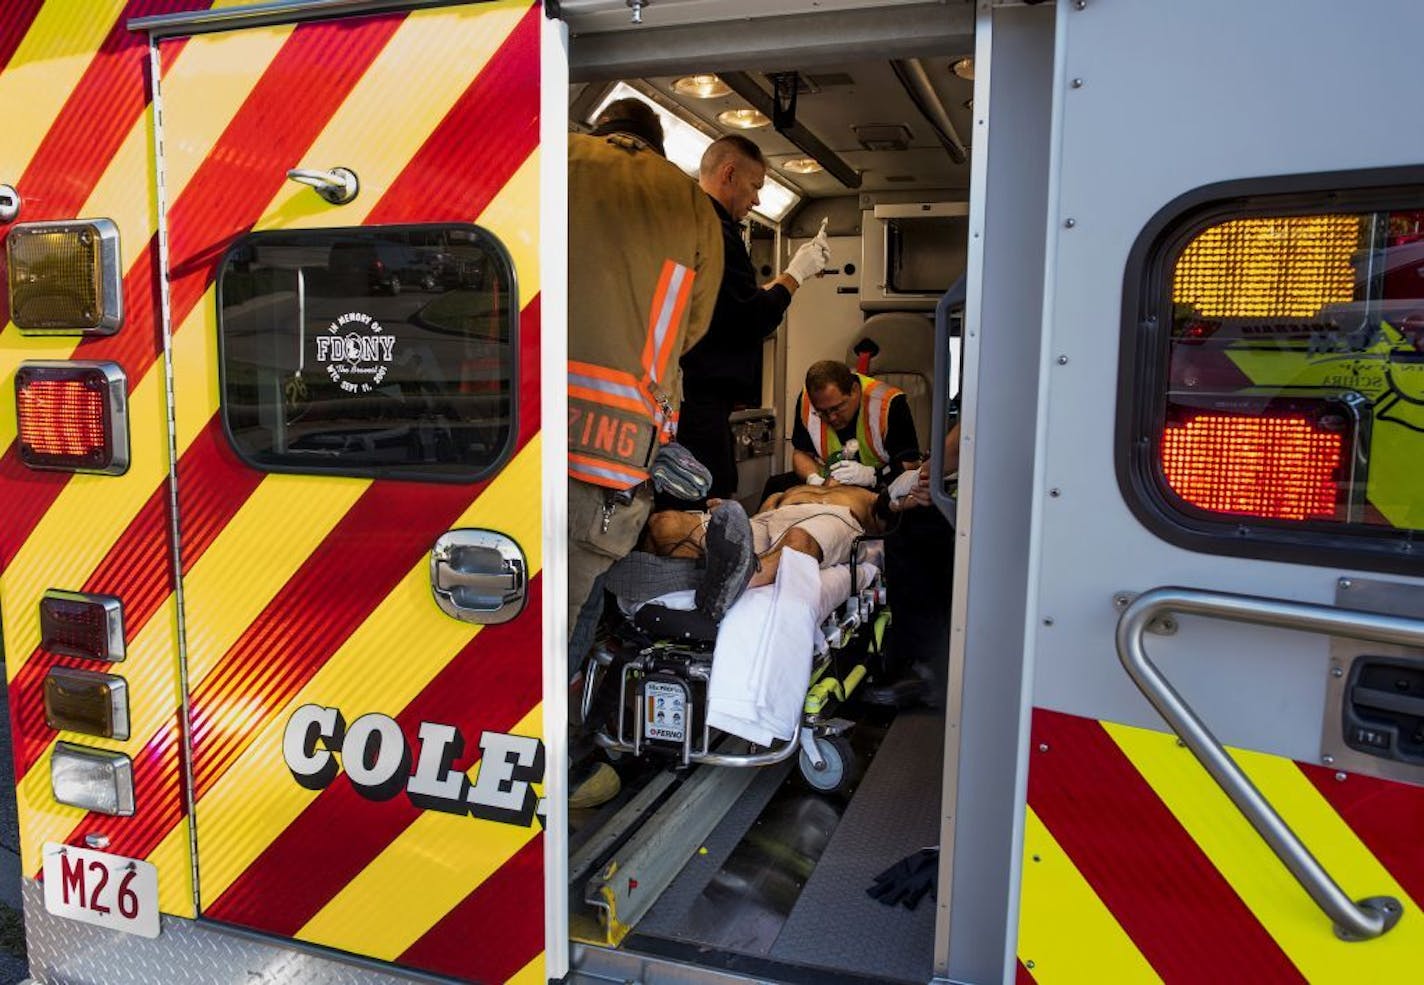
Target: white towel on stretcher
761	666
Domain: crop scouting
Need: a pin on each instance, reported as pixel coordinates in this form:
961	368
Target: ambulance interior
766	871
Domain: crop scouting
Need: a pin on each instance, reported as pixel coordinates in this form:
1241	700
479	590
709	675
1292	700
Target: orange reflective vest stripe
618	420
872	422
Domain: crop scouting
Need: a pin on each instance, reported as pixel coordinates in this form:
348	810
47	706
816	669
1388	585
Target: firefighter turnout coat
645	262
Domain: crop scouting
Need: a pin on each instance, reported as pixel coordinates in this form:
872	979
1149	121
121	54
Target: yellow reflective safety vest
645	263
871	423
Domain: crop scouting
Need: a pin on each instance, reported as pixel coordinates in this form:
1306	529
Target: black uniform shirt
728	358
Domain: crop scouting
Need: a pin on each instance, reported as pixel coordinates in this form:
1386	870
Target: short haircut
724	148
631	116
829	371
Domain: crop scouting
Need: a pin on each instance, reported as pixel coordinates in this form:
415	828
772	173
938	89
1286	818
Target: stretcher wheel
837	775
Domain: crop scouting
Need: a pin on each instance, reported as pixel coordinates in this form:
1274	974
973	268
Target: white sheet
762	662
766	644
761	667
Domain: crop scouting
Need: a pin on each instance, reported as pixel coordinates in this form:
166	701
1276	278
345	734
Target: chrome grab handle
338	186
1353	921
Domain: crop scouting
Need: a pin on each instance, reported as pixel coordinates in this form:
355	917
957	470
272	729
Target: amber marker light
87	701
64	277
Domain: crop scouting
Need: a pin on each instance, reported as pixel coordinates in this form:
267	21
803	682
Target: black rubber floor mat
895	812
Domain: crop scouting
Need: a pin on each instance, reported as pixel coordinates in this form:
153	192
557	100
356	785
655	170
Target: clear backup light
86	701
81	625
64	277
72	416
92	779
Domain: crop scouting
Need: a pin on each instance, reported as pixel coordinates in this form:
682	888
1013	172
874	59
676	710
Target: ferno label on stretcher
664	711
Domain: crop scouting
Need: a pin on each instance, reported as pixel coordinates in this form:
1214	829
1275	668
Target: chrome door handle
478	576
1353	921
338	186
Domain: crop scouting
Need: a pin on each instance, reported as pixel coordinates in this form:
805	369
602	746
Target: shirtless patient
822	521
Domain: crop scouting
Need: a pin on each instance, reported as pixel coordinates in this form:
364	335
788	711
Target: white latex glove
904	484
853	474
812	258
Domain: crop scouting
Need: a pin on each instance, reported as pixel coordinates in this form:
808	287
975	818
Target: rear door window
372	351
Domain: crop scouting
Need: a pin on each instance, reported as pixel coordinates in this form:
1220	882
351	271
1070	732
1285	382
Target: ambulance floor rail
1353	921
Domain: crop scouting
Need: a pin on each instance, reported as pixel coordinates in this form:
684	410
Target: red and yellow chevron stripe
1137	868
296	589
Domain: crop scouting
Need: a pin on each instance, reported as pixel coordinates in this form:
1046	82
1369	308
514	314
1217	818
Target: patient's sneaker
730	560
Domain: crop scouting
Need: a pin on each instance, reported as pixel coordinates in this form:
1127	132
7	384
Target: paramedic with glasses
851	429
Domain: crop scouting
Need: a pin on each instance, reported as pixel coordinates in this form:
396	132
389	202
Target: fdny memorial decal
356	352
377	760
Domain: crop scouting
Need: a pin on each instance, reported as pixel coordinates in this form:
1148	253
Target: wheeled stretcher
648	690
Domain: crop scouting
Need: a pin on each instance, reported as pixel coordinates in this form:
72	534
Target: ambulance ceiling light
744	119
701	87
964	68
802	165
685	143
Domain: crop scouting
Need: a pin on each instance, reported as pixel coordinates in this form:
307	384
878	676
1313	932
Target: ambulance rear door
352	233
1226	501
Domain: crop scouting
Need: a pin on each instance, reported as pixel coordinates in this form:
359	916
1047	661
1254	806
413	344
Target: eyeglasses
842	408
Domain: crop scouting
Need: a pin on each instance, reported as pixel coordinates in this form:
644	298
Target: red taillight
72	416
1282	466
63	418
81	625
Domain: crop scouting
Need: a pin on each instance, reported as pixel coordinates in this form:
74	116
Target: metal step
630	882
